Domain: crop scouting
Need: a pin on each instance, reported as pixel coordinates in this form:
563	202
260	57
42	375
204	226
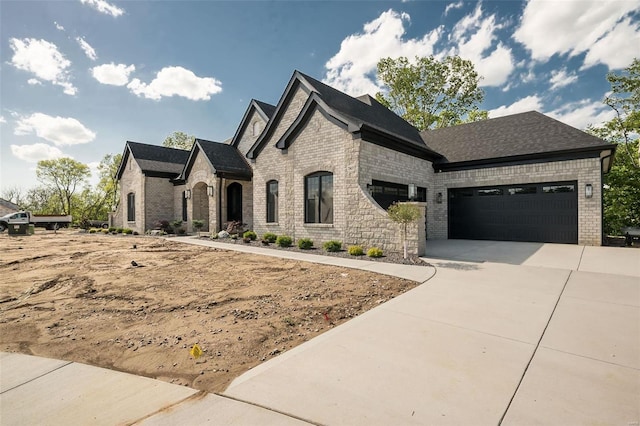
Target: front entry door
234	202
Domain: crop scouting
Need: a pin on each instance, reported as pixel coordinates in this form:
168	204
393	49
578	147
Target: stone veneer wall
132	181
247	138
324	146
158	201
584	171
200	173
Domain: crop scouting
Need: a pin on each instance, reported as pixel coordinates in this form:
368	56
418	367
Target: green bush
284	241
93	230
305	243
270	237
127	231
355	250
251	235
105	231
332	245
111	229
374	252
119	230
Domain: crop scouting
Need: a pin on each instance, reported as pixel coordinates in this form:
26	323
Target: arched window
256	128
318	195
131	207
272	201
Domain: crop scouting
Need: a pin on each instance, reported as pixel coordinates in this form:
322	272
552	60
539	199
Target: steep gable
252	124
153	160
364	117
224	159
519	136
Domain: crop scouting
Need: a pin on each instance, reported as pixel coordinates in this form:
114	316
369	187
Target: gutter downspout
219	203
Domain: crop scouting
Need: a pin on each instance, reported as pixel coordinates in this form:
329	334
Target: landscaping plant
284	241
269	237
374	252
305	243
332	246
355	250
251	235
404	214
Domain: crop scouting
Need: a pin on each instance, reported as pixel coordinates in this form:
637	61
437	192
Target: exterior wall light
588	190
439	198
187	194
210	191
413	191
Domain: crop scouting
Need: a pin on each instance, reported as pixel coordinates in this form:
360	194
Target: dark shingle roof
528	133
266	108
225	159
158	159
366	110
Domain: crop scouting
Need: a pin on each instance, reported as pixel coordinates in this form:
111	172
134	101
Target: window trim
131	207
318	212
275	201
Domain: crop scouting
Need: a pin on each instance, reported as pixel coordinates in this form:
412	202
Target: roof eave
561	155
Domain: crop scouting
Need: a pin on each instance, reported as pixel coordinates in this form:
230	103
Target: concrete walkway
503	333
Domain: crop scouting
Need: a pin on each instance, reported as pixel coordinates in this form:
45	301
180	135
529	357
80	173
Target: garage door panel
541	212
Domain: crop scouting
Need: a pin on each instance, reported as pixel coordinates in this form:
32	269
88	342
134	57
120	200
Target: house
324	165
7	207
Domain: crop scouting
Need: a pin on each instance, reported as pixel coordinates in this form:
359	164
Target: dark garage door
540	212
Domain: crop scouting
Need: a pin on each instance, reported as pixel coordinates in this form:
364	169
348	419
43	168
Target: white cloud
474	36
451	6
616	48
598	28
58	26
529	103
561	78
59	130
36	152
583	113
177	81
86	47
2	119
95	173
105	7
115	75
42	59
350	69
34	82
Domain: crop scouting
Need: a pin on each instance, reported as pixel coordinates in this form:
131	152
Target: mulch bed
387	257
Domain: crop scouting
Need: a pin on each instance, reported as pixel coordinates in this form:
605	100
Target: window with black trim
387	193
272	201
318	195
131	207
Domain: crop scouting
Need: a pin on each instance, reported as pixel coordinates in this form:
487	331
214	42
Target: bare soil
78	297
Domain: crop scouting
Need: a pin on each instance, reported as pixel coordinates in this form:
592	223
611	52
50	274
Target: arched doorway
234	202
200	204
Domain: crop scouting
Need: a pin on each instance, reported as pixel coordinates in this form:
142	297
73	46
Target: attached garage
537	212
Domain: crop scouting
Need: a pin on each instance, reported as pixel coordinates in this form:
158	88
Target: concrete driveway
504	333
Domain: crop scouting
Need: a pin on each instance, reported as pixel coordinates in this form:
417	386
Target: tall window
131	207
272	201
318	207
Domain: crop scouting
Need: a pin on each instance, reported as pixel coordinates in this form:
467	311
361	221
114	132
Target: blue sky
78	78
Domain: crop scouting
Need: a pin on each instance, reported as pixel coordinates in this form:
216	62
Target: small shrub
135	233
355	250
197	224
92	230
127	231
305	243
332	245
374	252
250	234
111	229
119	230
105	231
175	224
284	241
270	237
163	225
214	235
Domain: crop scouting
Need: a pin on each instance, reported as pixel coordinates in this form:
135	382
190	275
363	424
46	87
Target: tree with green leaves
621	192
179	140
429	93
404	214
63	177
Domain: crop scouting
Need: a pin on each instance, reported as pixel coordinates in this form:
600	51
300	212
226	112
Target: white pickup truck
43	221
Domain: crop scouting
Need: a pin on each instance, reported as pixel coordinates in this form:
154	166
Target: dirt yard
78	297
